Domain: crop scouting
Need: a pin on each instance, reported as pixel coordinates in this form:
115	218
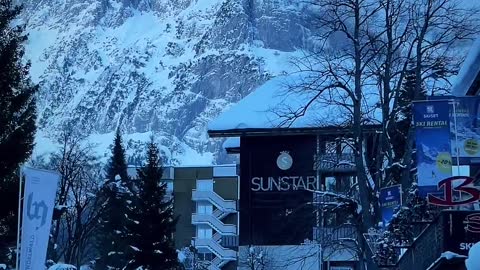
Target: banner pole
456	136
17	259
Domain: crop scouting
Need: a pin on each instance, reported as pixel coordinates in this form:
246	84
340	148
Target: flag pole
17	259
456	136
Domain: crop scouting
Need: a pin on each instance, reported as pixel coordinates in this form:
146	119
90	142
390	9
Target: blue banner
432	137
390	199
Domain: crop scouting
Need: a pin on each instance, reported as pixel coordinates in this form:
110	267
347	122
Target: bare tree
364	51
255	258
77	206
338	73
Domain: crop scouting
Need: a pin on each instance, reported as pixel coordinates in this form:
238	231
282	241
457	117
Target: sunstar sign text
284	183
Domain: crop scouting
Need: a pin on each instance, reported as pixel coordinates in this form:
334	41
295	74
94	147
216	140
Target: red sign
447	185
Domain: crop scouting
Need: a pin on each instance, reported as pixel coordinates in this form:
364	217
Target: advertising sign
465	129
39	201
432	136
390	199
457	190
276	174
461	231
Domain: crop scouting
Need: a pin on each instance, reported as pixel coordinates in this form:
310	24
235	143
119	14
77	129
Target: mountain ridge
158	68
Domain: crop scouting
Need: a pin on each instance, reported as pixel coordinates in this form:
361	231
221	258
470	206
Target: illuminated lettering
312	183
301	183
255	181
283	183
447	185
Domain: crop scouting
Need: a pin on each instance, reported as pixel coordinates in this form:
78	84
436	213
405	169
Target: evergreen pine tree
17	119
111	239
151	223
118	164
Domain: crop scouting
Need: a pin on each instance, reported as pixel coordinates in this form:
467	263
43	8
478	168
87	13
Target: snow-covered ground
473	260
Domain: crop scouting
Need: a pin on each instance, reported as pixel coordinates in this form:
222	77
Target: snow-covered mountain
161	67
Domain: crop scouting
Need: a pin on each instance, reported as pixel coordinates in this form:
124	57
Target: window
346	146
204	232
205	256
204	208
330	183
205	185
330	148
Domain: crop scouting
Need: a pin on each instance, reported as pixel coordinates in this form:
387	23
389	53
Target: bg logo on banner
34	209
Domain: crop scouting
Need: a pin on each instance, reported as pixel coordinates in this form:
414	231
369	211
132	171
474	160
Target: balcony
330	234
227	206
216	224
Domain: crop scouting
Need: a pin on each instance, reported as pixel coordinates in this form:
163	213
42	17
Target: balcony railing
225	205
219	226
331	234
219	251
335	163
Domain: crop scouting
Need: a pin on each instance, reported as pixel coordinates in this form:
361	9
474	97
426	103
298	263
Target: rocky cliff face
158	67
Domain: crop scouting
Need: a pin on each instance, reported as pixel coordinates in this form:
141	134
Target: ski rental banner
433	142
39	201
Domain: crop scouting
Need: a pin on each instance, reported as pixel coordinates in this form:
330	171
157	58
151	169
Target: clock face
284	161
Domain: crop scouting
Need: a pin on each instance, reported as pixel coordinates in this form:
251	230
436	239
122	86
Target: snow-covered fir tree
151	223
111	240
400	231
255	258
17	120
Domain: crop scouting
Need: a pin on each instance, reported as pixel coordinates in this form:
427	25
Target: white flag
38	203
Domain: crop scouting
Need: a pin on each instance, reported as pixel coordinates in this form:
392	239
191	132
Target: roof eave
326	131
474	88
232	150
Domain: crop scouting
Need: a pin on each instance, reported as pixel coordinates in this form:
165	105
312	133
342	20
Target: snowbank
473	261
62	266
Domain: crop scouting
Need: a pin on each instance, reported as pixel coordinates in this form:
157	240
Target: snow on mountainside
158	67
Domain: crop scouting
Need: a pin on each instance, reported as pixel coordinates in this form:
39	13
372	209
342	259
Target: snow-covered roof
469	71
271	104
233	142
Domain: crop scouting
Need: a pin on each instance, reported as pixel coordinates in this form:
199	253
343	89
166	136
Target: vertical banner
432	137
465	128
390	199
38	203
